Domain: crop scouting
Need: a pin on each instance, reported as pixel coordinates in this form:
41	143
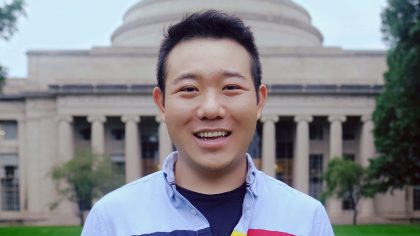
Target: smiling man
209	104
210	96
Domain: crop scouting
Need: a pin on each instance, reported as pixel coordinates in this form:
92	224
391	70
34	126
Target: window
416	198
284	170
347	203
149	138
85	133
349	131
117	134
284	139
254	149
8	129
315	173
316	131
349	156
118	165
9	188
149	144
285	150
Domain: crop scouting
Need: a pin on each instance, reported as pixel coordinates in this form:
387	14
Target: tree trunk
355	202
355	211
81	217
355	216
407	193
81	214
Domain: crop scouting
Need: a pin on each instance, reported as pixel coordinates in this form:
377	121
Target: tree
397	112
87	177
9	14
347	179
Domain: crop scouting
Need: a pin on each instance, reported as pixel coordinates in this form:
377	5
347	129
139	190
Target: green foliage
86	177
397	112
9	14
346	178
3	74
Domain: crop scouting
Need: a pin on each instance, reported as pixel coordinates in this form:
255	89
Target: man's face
210	104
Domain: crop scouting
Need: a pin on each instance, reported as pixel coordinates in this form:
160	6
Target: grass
40	231
340	230
377	230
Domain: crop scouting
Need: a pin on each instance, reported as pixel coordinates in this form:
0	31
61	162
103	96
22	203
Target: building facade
320	106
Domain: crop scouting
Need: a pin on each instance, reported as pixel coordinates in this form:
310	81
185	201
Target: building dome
275	23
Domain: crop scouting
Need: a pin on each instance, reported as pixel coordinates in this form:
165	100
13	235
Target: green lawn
377	230
340	230
40	231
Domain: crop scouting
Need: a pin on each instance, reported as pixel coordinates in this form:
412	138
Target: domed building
320	106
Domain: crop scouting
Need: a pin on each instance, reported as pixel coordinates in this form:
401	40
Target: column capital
130	118
307	118
65	118
93	118
340	118
366	118
267	118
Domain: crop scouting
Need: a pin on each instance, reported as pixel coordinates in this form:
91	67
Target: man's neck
209	182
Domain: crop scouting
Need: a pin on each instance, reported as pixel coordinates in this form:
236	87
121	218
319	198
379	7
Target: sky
83	24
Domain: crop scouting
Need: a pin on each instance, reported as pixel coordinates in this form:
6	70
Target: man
210	96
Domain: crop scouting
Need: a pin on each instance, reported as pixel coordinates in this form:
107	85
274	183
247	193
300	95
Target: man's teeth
212	134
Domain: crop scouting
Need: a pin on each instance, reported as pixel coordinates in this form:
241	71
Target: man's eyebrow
193	76
228	74
185	76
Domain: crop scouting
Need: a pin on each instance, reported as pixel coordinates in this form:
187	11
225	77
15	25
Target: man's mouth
212	134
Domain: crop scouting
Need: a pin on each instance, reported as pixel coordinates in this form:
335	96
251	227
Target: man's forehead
201	42
209	58
205	48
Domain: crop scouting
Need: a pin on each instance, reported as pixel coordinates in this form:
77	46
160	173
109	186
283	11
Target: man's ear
262	93
159	101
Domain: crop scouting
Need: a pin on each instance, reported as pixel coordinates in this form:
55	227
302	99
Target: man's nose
211	107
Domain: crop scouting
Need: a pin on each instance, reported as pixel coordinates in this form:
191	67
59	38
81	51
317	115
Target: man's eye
231	87
189	89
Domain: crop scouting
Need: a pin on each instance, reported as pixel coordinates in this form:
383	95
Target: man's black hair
209	24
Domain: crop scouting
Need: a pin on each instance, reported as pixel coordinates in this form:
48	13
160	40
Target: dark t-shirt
222	210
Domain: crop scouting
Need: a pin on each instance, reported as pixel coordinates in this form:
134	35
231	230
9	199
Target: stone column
133	162
98	134
336	135
65	139
65	153
367	151
165	143
269	144
22	166
334	205
367	147
301	158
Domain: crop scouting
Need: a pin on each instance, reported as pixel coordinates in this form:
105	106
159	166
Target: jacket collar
169	173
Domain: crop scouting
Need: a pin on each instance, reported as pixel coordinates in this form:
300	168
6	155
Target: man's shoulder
278	191
123	208
133	192
279	207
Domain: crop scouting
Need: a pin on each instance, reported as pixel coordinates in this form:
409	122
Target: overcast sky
82	24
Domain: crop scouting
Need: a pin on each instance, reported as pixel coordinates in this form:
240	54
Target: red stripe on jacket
261	232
